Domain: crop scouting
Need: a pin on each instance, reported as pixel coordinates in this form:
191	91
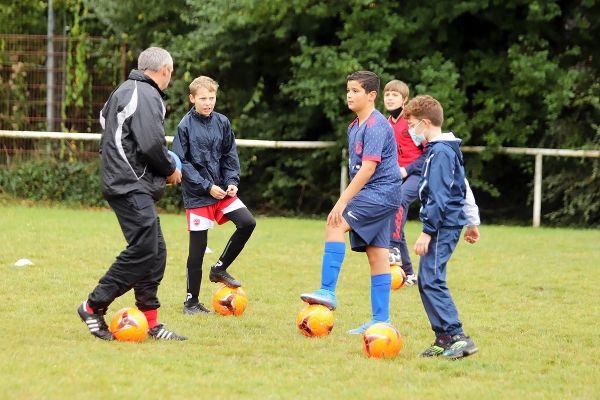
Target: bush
69	183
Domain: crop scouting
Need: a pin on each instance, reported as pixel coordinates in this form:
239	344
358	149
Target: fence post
537	191
50	69
343	173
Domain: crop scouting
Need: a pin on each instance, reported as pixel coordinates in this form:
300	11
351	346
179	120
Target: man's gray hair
153	59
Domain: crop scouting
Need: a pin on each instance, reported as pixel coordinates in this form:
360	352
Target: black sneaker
194	308
220	275
438	347
95	323
159	332
460	346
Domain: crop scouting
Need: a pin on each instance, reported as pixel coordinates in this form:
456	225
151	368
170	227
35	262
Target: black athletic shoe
438	347
220	275
95	323
460	346
194	308
159	332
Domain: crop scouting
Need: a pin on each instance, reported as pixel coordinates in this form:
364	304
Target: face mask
417	138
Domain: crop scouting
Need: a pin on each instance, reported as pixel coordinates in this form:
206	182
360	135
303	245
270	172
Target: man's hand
422	244
217	192
232	190
174	178
472	234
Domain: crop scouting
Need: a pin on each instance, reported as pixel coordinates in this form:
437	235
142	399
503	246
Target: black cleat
221	275
438	347
95	323
460	346
159	332
190	308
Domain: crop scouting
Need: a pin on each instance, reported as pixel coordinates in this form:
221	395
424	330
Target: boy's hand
217	192
174	178
335	216
422	244
232	190
472	234
403	172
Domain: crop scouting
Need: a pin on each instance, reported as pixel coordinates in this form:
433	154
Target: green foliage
72	183
78	87
23	16
18	95
69	183
509	73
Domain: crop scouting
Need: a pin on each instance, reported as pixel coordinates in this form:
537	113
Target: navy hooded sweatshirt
206	147
442	186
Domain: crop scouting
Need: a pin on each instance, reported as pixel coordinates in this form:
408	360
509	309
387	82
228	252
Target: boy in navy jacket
442	191
205	143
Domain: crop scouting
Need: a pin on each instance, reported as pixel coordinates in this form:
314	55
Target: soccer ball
230	301
177	160
398	277
315	320
382	340
129	325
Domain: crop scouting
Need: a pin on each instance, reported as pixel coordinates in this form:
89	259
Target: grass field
529	298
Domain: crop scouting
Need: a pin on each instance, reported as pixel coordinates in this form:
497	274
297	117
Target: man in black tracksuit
135	166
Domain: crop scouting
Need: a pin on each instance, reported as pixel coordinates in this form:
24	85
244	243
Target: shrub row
69	183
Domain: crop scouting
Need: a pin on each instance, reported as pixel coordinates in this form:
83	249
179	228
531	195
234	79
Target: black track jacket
133	146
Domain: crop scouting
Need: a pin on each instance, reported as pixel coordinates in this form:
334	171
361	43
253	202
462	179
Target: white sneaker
394	257
410	280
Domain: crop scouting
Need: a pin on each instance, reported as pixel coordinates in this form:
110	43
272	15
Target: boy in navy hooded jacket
442	191
205	143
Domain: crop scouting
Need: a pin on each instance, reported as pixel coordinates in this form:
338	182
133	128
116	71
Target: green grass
529	298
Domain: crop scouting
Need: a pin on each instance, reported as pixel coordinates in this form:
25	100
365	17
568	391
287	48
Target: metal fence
57	85
87	144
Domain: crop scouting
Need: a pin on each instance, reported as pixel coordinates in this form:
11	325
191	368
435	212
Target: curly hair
425	106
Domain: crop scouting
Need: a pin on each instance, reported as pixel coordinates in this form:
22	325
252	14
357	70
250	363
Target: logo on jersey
196	221
358	148
371	121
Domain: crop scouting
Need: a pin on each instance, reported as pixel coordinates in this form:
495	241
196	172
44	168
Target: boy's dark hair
367	79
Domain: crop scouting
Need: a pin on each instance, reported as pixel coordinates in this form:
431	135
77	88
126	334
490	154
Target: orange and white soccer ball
129	325
382	340
315	320
398	277
230	301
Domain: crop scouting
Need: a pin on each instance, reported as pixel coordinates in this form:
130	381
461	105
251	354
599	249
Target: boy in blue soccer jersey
367	206
442	191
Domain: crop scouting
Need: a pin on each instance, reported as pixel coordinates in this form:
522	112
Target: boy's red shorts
203	218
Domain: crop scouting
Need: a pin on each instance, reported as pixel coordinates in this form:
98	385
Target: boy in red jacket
410	149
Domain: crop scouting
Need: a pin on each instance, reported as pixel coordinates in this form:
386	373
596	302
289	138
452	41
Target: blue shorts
370	223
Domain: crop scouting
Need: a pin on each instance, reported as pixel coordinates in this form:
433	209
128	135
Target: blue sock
380	296
332	262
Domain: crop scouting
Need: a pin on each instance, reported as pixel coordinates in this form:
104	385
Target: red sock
151	316
89	309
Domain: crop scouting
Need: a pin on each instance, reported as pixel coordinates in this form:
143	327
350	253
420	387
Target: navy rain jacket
133	146
206	147
442	187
